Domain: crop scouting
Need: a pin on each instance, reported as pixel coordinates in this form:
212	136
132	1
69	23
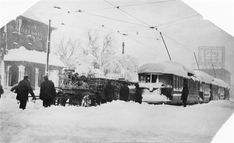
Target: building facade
25	45
211	60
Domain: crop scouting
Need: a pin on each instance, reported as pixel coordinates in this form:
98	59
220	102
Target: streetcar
163	83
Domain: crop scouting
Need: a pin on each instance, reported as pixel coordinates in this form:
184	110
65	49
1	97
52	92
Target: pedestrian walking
124	92
22	90
1	90
138	94
109	91
185	93
47	92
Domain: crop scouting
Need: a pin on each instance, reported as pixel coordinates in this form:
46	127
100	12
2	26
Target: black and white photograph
116	71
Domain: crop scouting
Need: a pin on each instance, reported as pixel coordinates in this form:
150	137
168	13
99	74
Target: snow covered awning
165	67
22	54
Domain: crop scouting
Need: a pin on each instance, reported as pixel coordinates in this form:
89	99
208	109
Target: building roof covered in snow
22	54
165	67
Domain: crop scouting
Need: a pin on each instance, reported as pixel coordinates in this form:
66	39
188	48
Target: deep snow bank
112	122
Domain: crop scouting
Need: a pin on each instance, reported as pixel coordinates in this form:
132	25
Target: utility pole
196	60
214	70
165	45
48	49
123	46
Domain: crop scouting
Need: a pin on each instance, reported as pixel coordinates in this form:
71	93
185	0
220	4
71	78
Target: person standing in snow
86	101
185	93
1	90
22	90
124	92
47	92
109	91
138	94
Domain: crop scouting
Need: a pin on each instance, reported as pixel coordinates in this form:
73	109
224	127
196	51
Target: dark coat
124	93
185	93
138	95
109	92
47	90
23	89
1	90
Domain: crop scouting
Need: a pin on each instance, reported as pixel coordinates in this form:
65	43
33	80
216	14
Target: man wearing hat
22	90
47	92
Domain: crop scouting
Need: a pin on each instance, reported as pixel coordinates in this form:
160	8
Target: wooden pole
123	46
48	49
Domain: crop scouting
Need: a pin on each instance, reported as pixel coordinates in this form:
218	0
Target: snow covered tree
69	51
129	66
102	49
106	58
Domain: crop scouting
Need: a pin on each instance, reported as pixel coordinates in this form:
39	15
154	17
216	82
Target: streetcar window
141	78
174	82
154	78
147	78
177	82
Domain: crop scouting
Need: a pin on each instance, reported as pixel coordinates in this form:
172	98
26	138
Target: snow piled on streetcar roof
22	54
220	82
117	121
165	67
204	77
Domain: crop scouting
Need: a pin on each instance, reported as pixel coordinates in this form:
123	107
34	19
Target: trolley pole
48	49
214	70
196	59
165	45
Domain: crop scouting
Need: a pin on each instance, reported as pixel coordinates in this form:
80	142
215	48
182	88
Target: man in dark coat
47	92
22	90
124	92
185	93
109	91
138	94
1	90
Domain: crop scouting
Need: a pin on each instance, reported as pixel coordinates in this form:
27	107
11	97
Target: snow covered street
112	122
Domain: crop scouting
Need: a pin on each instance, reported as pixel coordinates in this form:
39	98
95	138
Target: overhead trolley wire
104	17
117	7
147	3
184	46
131	5
115	19
144	24
177	20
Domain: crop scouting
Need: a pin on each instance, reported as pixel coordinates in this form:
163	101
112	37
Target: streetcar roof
165	68
203	77
220	83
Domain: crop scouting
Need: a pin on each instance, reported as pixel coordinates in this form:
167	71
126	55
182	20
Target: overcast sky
221	12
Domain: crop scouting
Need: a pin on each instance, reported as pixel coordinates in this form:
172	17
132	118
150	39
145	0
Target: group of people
23	89
109	92
48	92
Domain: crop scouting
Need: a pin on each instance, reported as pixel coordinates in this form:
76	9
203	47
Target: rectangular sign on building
211	57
